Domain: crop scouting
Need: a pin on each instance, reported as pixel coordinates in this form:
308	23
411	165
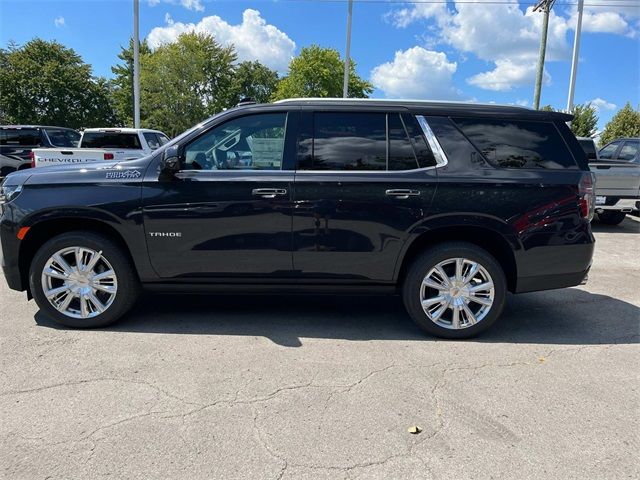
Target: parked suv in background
451	205
17	142
623	149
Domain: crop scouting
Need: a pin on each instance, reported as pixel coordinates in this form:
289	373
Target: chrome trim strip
438	152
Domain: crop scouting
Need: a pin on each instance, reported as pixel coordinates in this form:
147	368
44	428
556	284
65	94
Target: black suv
450	205
17	141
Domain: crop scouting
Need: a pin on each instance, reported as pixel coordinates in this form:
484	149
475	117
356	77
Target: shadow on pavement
628	225
568	316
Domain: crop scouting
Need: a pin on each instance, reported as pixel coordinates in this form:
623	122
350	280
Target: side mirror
170	163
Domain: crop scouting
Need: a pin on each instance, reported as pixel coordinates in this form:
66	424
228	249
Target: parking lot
326	387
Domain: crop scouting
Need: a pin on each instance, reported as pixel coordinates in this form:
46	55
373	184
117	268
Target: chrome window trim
438	152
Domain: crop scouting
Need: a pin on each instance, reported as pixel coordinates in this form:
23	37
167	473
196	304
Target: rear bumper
551	282
621	205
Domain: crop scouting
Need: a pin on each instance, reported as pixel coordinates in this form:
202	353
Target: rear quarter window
63	138
517	143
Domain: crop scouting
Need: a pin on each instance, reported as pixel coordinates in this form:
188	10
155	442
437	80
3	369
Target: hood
91	172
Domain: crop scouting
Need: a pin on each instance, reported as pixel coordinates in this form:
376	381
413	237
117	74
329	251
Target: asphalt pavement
327	387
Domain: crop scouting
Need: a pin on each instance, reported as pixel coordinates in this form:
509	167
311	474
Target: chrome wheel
457	293
79	282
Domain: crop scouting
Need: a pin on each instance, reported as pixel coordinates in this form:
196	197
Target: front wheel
611	217
83	280
455	290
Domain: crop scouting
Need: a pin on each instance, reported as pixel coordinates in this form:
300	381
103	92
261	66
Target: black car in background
17	141
449	205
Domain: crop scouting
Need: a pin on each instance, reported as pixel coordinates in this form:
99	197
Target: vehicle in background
617	178
98	144
450	205
18	141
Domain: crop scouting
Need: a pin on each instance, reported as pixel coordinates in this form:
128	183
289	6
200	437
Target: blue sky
455	51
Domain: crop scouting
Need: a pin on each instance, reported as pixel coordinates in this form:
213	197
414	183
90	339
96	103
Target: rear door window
401	154
60	137
128	141
20	137
152	140
629	150
518	144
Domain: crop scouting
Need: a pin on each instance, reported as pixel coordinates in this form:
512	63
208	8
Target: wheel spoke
459	268
54	292
105	288
65	303
455	317
471	318
104	275
427	282
50	272
480	287
84	308
93	261
432	301
443	275
471	273
62	263
78	254
481	300
438	313
99	306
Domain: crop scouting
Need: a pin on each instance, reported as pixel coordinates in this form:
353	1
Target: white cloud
253	39
601	104
195	5
507	75
59	22
416	73
510	36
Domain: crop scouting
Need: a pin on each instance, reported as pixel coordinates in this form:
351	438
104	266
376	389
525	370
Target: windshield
60	137
129	141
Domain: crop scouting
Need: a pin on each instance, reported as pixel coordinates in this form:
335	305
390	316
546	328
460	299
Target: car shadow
628	225
568	316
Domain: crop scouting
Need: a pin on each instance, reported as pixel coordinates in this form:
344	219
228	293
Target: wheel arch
42	231
494	242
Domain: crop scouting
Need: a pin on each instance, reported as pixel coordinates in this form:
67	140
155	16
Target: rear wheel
83	280
611	217
455	290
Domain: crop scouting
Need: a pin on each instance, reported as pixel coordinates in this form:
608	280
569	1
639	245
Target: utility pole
574	60
136	64
347	60
545	6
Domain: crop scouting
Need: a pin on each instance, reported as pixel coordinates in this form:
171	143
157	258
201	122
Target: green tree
318	72
122	83
253	80
185	82
585	120
44	82
625	123
547	108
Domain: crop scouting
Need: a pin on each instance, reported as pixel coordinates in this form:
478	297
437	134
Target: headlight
9	192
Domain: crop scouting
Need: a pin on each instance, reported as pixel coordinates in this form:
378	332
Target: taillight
32	157
108	156
587	195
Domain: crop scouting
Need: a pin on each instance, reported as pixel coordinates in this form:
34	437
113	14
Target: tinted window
163	138
349	141
63	138
518	144
629	150
589	148
401	155
423	152
24	137
129	141
254	142
152	140
609	151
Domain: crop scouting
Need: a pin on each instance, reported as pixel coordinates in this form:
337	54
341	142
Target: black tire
128	286
412	287
611	217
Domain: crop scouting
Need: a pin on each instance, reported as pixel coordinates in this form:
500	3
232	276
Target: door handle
268	192
402	193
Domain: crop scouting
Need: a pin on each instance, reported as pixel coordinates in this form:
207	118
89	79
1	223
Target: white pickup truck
97	144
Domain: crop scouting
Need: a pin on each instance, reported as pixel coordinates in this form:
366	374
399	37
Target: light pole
545	6
574	60
347	61
136	64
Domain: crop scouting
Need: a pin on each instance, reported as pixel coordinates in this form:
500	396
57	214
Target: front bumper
9	249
